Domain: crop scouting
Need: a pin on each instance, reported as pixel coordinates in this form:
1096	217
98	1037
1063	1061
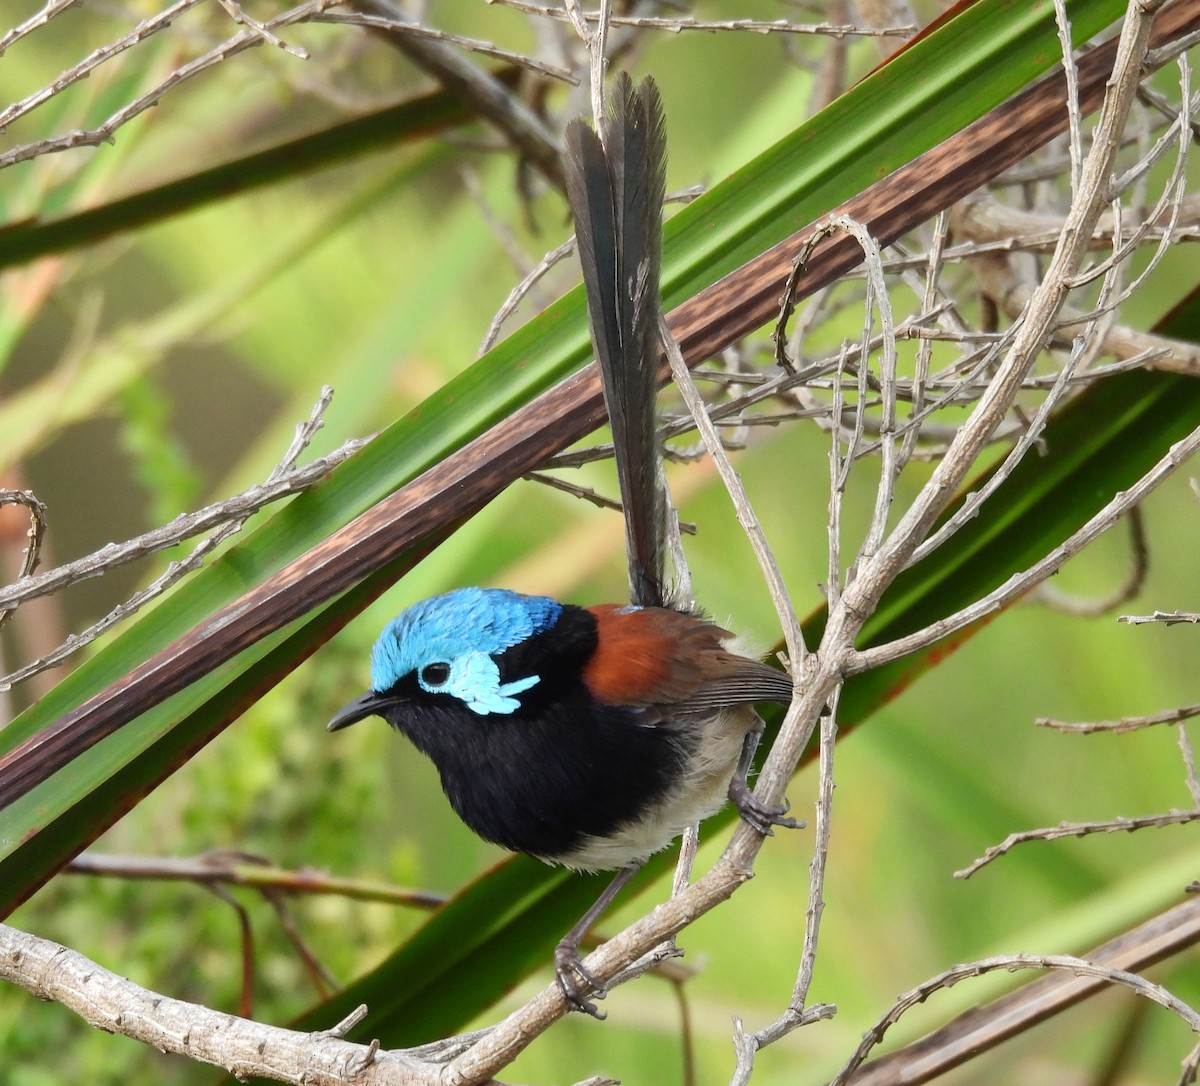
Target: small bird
588	736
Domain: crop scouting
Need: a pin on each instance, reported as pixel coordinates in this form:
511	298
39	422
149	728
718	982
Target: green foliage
218	328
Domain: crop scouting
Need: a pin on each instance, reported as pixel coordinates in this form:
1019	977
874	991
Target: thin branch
1167	618
792	634
550	260
936	259
681	23
983	1028
243	1048
1020	583
1164	54
182	527
36	534
35	22
798	1013
1092	607
104	132
92	61
746	1045
227	516
1125	724
473	45
519	292
838	468
877	294
1071	71
1011	962
244	869
238	15
1078	829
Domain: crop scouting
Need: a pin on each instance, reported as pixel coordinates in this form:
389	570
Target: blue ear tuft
443	628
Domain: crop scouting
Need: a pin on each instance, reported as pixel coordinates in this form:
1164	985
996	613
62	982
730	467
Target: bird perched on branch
588	736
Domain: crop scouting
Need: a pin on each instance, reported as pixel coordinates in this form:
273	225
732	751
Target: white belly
702	792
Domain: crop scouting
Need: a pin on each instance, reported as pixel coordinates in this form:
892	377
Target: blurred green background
167	368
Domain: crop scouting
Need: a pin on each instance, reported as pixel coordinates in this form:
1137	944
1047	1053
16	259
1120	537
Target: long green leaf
409	121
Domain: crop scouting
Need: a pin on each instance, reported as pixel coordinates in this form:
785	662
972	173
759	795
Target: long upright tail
615	184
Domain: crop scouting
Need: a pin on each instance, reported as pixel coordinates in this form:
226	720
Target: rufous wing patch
651	655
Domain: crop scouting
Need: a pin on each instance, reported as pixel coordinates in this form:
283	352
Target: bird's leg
761	816
569	970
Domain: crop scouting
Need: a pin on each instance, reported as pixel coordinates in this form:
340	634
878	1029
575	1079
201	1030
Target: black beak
370	704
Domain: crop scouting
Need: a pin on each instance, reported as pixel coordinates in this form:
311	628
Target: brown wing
653	656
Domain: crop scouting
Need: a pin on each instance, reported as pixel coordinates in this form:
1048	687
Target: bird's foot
761	816
575	979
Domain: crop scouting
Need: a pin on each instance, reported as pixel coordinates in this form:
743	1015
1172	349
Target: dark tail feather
616	190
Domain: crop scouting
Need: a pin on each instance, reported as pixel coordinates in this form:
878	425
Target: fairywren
590	737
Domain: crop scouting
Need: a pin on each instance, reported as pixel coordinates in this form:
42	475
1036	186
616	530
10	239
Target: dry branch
243	1048
982	1028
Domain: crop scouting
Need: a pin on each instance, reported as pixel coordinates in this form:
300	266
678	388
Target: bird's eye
435	674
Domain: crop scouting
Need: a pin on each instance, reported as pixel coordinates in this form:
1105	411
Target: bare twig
1074	120
92	61
798	1013
548	261
184	526
473	45
933	269
104	132
485	94
1092	607
1167	618
245	1049
1077	829
1077	967
35	535
227	517
519	292
244	869
1125	724
238	15
35	22
983	1028
877	295
746	1045
681	23
1020	583
792	635
587	494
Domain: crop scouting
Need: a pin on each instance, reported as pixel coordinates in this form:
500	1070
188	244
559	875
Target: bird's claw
761	816
569	972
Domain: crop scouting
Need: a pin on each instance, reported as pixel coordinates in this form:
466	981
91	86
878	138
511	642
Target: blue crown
462	629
